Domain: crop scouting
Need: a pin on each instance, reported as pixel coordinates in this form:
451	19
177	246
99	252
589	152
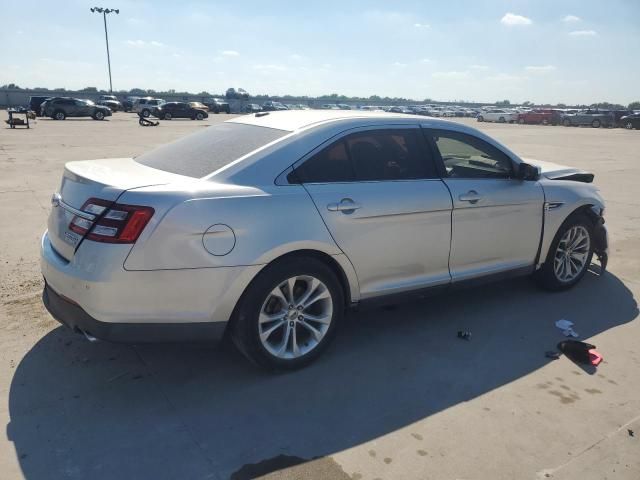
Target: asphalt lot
398	396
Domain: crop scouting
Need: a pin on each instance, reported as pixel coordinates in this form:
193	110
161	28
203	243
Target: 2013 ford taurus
268	226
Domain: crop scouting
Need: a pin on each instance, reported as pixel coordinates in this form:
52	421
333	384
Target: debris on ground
464	335
631	432
580	352
567	328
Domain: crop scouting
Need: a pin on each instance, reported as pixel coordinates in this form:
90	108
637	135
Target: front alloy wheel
572	254
628	126
295	317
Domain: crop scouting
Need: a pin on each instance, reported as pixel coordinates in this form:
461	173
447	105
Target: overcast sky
575	51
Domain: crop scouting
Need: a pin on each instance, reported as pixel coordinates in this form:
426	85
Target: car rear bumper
111	302
73	316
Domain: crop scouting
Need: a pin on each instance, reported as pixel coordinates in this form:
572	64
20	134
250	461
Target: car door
379	195
497	218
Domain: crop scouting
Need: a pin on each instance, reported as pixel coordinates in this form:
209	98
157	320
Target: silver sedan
268	226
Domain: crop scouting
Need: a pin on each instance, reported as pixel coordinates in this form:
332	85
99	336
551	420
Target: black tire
199	116
521	121
98	115
216	110
480	118
244	328
501	120
546	276
596	123
227	110
59	115
167	116
628	126
146	112
566	122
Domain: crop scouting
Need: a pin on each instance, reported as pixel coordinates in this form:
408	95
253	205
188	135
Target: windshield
204	152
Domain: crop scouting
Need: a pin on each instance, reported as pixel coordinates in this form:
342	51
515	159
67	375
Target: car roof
293	120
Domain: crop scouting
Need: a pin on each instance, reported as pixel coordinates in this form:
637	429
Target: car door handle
346	206
471	196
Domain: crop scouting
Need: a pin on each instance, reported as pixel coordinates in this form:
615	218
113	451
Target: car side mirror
528	172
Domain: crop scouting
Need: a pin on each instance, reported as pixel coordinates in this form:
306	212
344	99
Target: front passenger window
466	156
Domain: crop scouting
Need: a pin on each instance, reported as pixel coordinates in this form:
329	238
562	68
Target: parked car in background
302	106
499	115
60	108
35	104
630	121
344	106
199	105
171	110
110	101
252	108
271	106
214	236
292	106
218	105
237	94
127	103
144	106
540	116
593	118
618	114
400	109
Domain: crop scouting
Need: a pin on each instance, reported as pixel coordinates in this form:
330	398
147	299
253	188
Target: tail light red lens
115	222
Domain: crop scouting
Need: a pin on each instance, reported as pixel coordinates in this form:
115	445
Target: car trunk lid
104	179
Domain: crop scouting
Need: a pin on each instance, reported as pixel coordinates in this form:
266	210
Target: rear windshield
202	153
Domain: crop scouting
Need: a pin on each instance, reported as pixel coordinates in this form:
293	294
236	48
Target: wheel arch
554	221
339	264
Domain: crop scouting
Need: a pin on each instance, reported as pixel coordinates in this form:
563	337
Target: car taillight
116	223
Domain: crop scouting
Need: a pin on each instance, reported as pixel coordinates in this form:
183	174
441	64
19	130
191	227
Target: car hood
555	171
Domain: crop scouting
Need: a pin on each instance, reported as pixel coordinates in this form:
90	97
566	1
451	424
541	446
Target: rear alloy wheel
480	118
59	115
145	113
501	120
289	314
167	116
570	254
199	116
545	121
628	126
98	115
521	121
596	123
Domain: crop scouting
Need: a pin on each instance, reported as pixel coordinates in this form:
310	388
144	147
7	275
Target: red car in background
540	116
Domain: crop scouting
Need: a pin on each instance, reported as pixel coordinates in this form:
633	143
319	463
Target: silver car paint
168	276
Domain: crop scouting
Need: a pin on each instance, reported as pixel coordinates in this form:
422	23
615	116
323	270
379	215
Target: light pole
104	12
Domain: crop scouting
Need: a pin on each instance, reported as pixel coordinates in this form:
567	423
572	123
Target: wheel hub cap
295	317
572	254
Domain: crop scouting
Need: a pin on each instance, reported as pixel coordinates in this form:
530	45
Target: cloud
230	53
540	68
399	64
421	25
479	67
511	20
425	60
571	19
453	75
583	33
144	44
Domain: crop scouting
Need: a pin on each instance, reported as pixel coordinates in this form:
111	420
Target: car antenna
262	114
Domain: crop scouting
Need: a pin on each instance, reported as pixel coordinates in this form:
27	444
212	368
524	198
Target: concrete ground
398	396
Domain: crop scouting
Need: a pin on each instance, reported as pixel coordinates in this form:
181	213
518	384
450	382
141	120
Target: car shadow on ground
104	411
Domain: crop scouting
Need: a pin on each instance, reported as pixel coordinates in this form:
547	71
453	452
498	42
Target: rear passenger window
330	165
378	155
